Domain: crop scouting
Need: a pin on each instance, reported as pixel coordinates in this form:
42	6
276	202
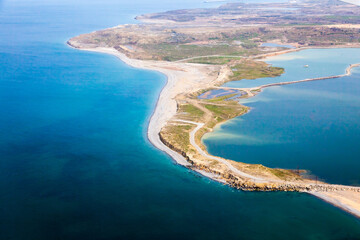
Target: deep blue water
74	159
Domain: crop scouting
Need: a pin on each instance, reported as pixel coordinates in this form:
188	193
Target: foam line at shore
166	108
155	122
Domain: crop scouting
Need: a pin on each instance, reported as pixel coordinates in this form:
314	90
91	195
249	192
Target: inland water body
75	162
310	125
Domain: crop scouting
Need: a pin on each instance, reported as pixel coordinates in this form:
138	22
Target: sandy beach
186	78
181	77
346	200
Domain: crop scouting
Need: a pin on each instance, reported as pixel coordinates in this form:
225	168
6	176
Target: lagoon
309	63
75	162
310	125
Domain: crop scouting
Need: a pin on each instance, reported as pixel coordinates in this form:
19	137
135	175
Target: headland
180	118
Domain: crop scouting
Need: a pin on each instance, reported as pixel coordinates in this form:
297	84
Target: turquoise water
75	162
321	63
312	125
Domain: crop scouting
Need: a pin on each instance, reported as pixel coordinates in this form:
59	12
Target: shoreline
336	202
166	107
264	56
152	128
250	90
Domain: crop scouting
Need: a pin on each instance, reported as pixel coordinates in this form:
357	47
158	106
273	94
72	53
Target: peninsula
201	49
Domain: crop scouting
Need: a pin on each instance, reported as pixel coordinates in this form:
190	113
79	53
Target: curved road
203	153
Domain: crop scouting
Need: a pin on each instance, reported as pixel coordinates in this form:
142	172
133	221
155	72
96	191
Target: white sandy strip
181	78
339	202
165	107
202	152
193	79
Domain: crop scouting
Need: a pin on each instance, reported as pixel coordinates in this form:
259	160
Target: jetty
250	91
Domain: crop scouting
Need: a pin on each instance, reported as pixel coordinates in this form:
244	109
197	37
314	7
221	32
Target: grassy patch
248	69
222	98
214	60
222	112
178	136
283	173
343	17
249	45
189	111
173	52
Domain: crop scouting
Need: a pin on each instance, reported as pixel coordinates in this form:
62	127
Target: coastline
250	90
166	108
273	54
155	122
352	207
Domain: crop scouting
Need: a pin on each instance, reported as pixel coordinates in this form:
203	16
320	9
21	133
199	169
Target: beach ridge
166	108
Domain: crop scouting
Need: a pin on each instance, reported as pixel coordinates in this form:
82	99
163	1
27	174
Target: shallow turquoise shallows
75	162
306	64
311	125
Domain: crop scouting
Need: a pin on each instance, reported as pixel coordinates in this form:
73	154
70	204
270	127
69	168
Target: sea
75	162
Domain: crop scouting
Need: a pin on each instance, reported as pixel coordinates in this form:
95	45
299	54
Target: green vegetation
147	42
174	52
283	173
178	136
245	36
252	70
255	91
249	45
214	60
228	32
222	98
190	112
232	34
222	113
344	17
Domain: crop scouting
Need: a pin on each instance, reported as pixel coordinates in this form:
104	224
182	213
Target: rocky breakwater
244	184
291	187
